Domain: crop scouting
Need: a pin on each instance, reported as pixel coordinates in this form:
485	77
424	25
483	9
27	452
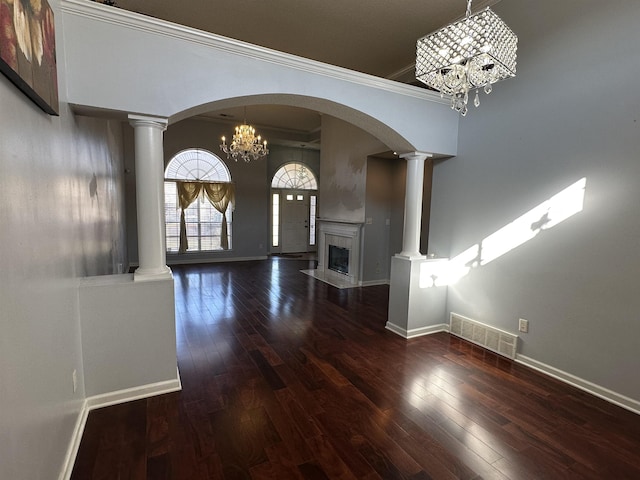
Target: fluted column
149	162
413	204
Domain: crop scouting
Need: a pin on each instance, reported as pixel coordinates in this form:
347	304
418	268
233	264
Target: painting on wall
28	50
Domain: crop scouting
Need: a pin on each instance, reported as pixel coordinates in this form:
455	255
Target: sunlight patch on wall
545	216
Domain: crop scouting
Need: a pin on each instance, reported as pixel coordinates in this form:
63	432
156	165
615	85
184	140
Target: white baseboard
135	393
372	283
108	399
417	332
585	385
72	450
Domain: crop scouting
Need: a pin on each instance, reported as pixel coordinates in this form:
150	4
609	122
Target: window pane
173	229
312	220
207	243
194	243
206	229
275	220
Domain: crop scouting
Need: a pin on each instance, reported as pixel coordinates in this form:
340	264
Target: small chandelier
472	53
245	144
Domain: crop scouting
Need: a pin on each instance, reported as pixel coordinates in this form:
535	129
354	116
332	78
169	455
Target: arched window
294	176
204	224
286	194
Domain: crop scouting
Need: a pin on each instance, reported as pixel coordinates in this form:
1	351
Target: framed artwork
28	50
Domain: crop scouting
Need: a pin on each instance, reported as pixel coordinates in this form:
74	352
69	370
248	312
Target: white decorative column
413	310
413	204
149	162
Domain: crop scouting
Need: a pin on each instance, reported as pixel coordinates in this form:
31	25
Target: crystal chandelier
472	53
245	144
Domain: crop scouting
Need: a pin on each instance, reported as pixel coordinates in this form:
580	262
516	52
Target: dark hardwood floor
285	377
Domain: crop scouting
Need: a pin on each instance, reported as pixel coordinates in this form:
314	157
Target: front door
295	221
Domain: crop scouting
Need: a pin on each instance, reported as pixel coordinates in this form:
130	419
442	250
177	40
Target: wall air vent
496	340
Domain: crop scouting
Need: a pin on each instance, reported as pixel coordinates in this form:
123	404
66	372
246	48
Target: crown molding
124	18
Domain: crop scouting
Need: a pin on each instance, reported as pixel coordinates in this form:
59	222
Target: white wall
571	112
61	218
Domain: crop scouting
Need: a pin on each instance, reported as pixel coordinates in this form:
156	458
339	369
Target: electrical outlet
74	377
523	325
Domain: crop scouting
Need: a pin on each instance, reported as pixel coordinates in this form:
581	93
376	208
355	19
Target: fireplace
338	259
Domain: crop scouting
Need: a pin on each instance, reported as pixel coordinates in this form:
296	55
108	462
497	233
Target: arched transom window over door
199	199
295	176
293	208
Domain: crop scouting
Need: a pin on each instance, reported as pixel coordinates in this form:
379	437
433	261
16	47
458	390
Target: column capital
148	121
416	155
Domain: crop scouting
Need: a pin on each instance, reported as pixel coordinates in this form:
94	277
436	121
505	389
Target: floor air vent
491	338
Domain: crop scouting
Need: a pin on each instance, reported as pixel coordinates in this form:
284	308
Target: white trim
417	332
373	283
121	17
106	400
134	393
580	383
74	445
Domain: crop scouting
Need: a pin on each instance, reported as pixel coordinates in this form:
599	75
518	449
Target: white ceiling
377	37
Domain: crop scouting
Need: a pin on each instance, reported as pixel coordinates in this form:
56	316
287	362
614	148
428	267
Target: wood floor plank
285	377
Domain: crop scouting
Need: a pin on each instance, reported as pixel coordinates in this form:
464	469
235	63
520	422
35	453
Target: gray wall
61	217
571	112
343	168
377	219
128	334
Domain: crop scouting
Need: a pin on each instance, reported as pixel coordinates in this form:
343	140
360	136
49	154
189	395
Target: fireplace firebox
338	259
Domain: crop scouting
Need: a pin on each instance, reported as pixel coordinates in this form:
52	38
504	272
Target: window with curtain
199	201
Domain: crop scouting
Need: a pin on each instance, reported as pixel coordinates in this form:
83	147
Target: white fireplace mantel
344	234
